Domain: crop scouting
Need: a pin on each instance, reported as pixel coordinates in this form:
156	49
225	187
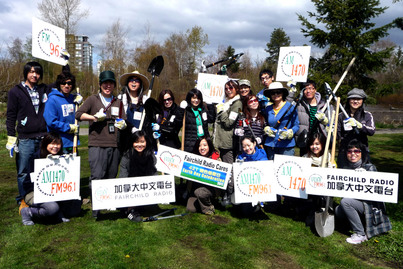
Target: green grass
225	240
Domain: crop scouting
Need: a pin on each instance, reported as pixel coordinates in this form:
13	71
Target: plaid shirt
34	94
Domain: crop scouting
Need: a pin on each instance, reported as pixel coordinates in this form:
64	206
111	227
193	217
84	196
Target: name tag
137	115
115	111
233	115
204	116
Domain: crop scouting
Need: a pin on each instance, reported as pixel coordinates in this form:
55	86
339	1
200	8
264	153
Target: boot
26	215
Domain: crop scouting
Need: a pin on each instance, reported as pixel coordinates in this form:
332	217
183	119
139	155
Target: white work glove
79	99
359	124
12	145
292	84
239	132
120	124
156	135
53	157
155	127
135	129
349	123
73	128
286	134
220	107
270	131
183	104
100	115
322	118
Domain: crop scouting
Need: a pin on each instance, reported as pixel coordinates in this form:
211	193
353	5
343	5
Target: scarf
199	122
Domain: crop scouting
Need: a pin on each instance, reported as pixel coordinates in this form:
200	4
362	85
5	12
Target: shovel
324	222
155	69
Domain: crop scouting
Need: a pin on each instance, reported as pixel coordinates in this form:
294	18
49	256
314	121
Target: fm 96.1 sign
48	41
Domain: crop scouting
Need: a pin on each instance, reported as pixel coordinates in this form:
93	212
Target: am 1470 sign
293	63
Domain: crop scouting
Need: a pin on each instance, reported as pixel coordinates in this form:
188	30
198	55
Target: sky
245	25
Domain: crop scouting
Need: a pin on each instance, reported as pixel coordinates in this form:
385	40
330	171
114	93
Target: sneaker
134	216
65	220
26	216
356	239
22	205
210	211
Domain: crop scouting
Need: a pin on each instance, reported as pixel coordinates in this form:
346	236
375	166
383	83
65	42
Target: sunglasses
355	151
251	101
168	99
67	82
274	92
229	87
134	80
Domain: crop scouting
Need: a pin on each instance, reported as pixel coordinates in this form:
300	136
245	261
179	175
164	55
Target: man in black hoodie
25	106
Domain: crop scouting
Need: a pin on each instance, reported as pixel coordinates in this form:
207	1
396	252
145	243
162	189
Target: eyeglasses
355	151
265	78
229	88
168	99
67	82
274	92
134	80
251	101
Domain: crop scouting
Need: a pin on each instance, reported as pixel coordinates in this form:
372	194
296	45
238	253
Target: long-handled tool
75	139
155	68
157	217
324	222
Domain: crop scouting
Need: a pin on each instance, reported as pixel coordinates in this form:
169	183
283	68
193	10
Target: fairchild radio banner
193	167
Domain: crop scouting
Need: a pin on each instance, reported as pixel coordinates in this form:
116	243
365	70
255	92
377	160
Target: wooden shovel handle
324	157
336	121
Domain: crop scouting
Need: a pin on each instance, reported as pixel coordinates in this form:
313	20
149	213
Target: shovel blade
156	66
324	224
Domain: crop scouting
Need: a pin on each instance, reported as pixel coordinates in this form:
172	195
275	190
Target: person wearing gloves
359	125
25	107
170	120
311	119
104	112
60	108
354	210
224	138
280	138
132	96
197	118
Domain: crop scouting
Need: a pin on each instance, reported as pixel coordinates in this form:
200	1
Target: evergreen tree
344	28
278	38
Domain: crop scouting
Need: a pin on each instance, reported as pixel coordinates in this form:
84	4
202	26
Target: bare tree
63	13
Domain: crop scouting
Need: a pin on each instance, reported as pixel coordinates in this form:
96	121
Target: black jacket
208	116
20	110
171	126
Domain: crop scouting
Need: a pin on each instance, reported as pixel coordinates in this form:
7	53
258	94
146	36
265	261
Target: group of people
126	129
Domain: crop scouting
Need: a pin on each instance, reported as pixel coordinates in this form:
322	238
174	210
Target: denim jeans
282	151
24	159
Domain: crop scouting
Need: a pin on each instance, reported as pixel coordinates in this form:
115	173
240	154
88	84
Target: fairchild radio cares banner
56	179
193	167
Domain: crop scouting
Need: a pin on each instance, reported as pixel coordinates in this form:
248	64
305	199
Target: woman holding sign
51	145
200	192
376	220
282	120
138	161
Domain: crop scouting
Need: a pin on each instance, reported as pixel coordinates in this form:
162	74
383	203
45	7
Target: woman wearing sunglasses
254	121
170	120
353	209
60	110
282	122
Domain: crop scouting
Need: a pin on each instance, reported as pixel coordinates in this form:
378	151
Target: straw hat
275	86
144	80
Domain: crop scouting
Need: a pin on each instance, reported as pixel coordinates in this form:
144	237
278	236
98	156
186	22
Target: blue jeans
24	159
282	151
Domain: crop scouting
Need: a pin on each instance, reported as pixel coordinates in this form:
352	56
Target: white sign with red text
133	191
56	179
48	41
254	182
363	185
290	175
212	87
293	63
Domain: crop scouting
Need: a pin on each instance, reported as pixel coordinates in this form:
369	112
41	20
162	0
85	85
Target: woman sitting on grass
200	192
138	161
51	145
375	213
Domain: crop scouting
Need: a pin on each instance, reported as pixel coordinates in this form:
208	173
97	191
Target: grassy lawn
268	240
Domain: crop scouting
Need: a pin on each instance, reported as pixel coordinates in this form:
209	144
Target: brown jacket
99	135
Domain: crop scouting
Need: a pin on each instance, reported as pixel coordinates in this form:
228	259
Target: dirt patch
219	219
278	259
194	246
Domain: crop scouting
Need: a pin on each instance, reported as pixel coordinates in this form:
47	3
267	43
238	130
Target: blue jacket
271	120
260	155
59	113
